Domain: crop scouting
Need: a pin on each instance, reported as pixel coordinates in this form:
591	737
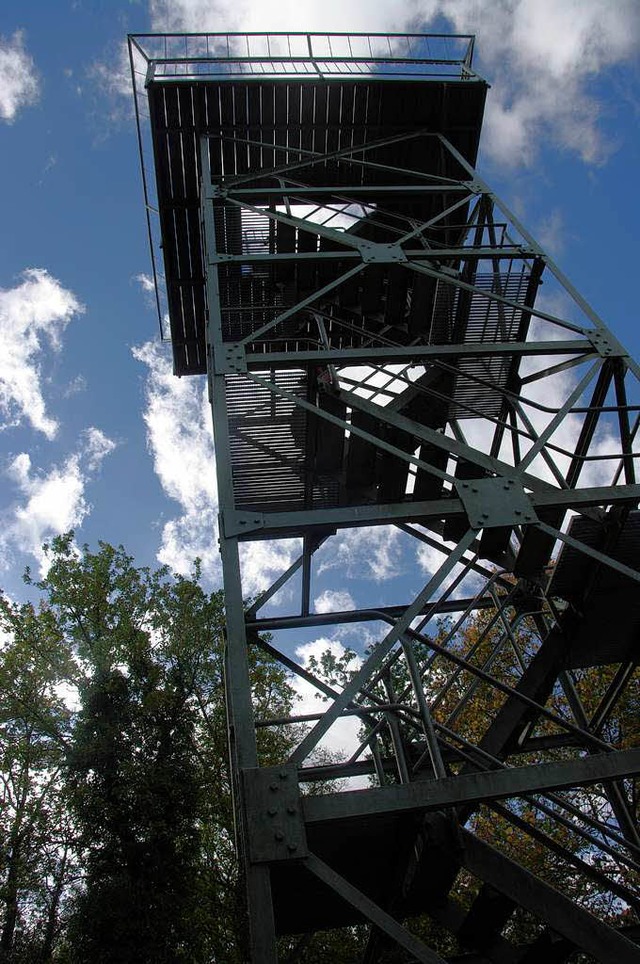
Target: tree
117	823
35	723
138	765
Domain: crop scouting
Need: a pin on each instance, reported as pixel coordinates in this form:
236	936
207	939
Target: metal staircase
380	352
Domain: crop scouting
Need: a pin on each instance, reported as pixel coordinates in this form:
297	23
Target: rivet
272	811
283	774
273	787
518	512
485	515
278	835
292	847
465	485
292	811
474	490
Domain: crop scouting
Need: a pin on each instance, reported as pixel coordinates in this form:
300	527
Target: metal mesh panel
269	447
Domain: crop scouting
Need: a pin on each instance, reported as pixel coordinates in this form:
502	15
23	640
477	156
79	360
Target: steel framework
379	354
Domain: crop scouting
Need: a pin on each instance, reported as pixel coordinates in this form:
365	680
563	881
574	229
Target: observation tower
387	346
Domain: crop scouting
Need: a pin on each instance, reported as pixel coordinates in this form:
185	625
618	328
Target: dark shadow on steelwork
367	313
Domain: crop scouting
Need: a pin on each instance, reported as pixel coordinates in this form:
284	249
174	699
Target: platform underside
319	117
373	854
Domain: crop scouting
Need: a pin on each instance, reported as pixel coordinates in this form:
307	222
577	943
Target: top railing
214	55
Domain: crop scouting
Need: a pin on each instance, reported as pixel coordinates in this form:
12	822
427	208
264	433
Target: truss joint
214	191
236	523
606	344
230	359
274	816
496	502
371	252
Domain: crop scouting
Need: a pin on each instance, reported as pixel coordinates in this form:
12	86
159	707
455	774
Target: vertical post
242	740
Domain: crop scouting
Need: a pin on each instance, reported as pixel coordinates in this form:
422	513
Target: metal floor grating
300	114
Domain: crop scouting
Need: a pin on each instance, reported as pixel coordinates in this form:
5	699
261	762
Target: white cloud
179	436
332	601
49	502
98	446
373	553
541	58
431	559
262	562
36	310
148	289
18	78
342	737
76	385
146	282
550	232
290	15
112	79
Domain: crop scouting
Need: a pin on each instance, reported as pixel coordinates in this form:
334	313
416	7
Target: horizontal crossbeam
470	788
250	525
393	354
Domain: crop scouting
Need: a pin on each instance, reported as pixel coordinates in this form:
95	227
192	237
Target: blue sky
96	433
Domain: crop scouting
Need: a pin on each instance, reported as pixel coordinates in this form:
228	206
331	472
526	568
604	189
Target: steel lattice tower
380	353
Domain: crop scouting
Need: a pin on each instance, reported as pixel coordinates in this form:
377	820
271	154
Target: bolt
273	787
465	485
292	847
292	811
485	515
283	774
272	811
475	490
278	835
518	512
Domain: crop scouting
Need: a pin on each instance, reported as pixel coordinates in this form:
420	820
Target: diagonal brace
370	909
380	652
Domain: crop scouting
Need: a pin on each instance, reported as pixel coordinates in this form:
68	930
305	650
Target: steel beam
563	915
372	911
472	788
369	363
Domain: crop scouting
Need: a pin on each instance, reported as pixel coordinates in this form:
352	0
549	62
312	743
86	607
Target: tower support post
384	373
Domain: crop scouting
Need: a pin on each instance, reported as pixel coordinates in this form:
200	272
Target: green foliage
35	727
118	811
115	796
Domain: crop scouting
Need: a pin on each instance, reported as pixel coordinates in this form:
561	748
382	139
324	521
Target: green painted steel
366	311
